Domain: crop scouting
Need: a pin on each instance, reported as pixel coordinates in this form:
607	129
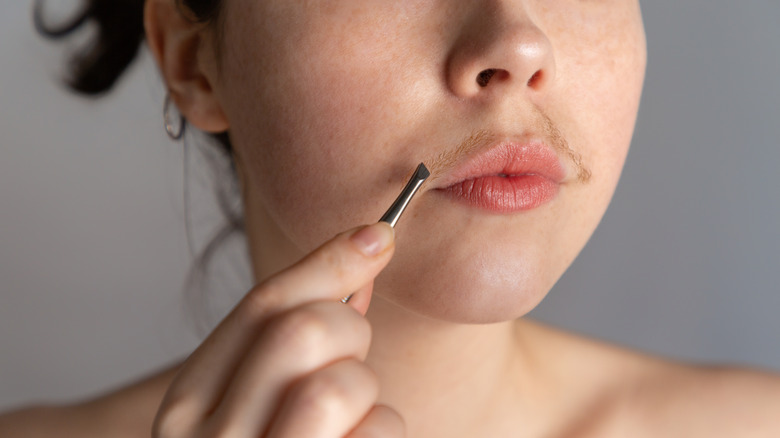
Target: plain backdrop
93	252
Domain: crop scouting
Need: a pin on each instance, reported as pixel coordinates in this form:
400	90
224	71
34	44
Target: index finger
336	269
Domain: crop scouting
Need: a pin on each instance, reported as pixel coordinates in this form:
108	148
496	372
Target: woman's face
332	103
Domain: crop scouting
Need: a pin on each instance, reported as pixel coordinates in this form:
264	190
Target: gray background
93	250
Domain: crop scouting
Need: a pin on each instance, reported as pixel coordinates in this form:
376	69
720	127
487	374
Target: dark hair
94	70
120	32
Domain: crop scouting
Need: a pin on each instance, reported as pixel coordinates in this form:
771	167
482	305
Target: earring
174	128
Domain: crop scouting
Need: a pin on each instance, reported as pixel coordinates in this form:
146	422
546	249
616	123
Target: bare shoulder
691	400
629	393
41	421
124	412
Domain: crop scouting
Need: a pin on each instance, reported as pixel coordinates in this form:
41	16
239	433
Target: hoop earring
174	129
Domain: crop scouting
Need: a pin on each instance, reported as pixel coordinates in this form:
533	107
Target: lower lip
504	194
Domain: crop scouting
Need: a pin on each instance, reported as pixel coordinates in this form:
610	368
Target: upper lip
504	157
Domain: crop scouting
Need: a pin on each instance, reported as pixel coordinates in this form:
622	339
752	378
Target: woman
328	106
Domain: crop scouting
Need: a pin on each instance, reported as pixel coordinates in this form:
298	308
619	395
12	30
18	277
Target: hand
288	359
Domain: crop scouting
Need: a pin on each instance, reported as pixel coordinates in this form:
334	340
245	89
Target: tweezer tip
422	171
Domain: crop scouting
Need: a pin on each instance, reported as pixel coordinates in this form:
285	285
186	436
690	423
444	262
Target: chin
470	287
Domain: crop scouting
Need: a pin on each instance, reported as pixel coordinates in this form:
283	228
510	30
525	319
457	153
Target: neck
450	379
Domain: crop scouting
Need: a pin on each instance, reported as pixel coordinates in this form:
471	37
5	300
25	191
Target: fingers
333	271
381	422
282	329
327	403
295	343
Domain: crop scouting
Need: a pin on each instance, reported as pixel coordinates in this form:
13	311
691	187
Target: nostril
483	78
535	79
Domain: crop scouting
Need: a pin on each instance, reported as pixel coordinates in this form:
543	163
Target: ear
184	53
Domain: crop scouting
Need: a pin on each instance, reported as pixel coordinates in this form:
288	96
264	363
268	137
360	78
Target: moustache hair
542	126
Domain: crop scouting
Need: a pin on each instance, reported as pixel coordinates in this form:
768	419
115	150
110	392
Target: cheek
294	126
317	125
601	70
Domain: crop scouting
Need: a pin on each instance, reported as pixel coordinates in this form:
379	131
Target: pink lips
507	178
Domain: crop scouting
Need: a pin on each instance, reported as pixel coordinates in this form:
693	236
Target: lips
507	178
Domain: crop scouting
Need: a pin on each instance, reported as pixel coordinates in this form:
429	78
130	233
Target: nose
500	49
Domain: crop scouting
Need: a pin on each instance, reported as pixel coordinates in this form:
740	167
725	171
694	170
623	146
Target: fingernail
374	239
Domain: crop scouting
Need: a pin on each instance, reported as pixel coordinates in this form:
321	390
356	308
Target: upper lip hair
447	168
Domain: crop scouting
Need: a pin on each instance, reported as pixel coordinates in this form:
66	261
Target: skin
422	77
397	81
329	105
